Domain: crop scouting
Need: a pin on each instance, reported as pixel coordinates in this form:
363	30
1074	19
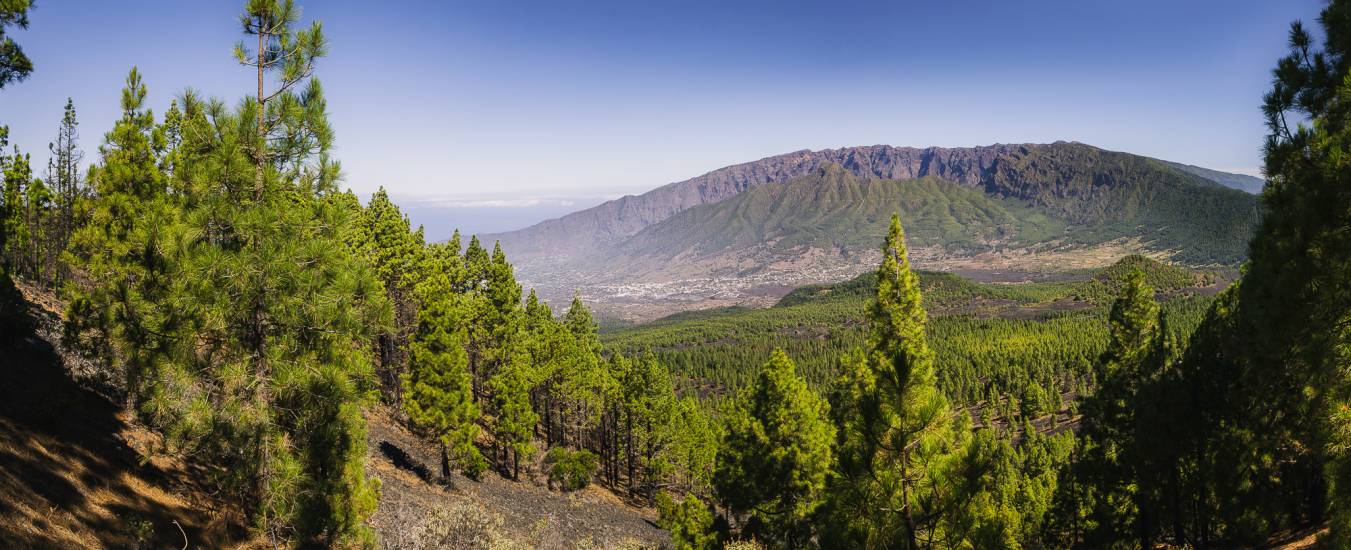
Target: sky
494	114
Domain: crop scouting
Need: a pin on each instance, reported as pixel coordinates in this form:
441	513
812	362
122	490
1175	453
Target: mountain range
749	232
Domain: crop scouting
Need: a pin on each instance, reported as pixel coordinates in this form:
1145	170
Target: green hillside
832	209
1055	196
1105	193
1044	335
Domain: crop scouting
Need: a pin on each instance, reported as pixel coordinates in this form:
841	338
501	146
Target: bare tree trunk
628	437
445	461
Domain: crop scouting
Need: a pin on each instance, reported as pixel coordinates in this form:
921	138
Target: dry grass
75	473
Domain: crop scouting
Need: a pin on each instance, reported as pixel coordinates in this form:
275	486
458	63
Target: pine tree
18	240
689	521
694	450
120	309
776	454
477	263
895	429
1269	408
586	384
1110	454
649	413
547	346
14	64
39	212
514	421
273	379
289	126
12	303
1297	290
501	317
582	325
473	285
5	201
65	179
395	250
438	390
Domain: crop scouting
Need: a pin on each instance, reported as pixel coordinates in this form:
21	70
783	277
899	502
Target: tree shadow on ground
404	461
68	477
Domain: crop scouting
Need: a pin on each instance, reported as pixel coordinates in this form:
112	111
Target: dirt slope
74	473
531	515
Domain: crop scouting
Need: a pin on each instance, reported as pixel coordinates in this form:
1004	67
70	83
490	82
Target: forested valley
223	290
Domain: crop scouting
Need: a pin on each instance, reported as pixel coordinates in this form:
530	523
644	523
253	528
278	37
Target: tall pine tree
1267	371
438	388
276	372
120	307
65	179
1109	457
895	429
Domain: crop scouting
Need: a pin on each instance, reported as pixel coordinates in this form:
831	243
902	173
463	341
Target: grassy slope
1106	193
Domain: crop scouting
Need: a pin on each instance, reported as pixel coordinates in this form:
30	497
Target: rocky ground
527	512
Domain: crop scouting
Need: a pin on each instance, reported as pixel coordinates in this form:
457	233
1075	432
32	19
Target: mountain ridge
583	231
746	233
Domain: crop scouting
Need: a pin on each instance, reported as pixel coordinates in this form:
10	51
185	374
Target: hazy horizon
582	103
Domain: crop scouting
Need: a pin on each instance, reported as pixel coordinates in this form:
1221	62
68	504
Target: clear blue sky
499	104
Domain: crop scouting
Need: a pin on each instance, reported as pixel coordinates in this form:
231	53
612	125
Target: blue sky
505	112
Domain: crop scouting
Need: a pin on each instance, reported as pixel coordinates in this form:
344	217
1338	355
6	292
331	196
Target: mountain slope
828	223
829	214
999	167
1003	212
1242	182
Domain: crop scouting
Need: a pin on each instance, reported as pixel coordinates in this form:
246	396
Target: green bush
570	470
689	521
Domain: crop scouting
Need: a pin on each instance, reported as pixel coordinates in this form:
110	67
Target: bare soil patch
409	469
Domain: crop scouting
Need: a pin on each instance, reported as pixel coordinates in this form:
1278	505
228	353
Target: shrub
689	521
570	470
466	525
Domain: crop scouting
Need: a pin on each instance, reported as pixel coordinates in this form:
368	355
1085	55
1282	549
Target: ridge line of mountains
625	216
761	227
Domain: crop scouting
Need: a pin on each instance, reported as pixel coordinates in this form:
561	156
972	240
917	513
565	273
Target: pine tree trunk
648	483
445	461
628	428
548	421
